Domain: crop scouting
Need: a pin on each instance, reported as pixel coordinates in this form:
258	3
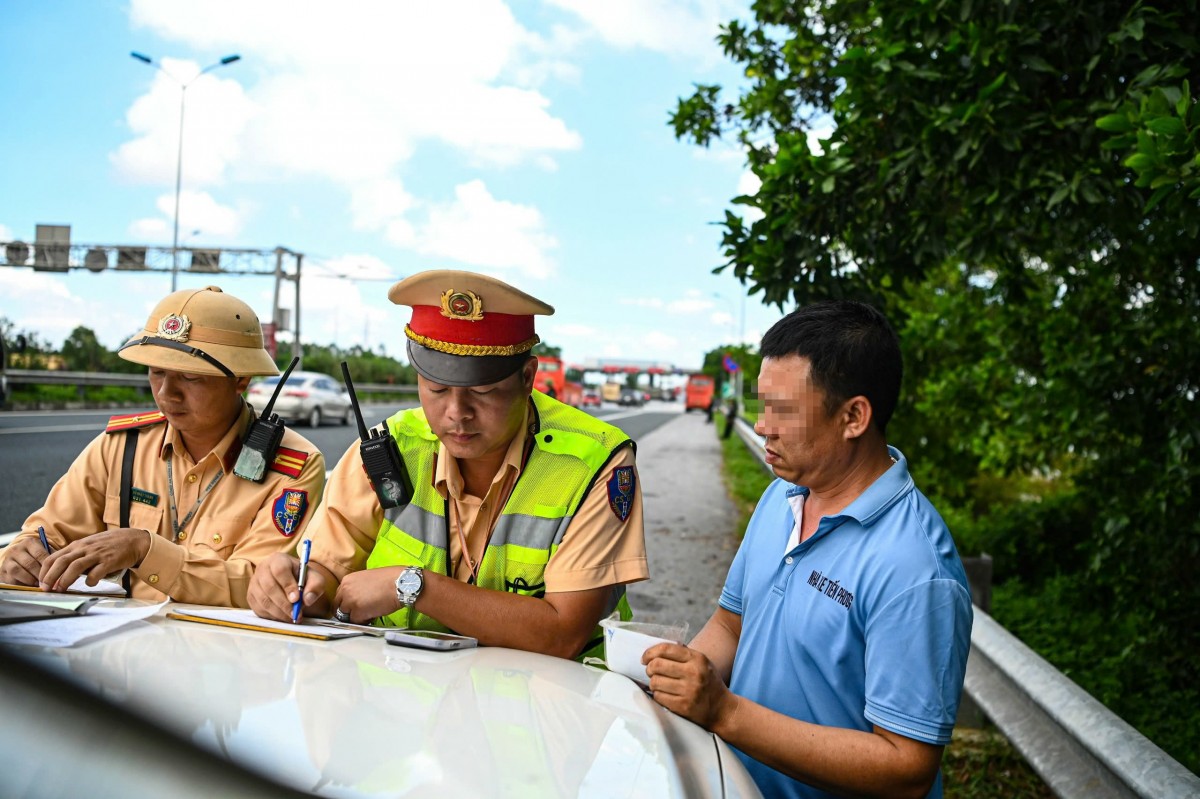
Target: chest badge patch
288	510
620	491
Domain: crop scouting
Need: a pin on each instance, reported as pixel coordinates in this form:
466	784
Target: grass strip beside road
978	764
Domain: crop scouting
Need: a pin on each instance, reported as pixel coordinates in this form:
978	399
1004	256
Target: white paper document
80	586
71	631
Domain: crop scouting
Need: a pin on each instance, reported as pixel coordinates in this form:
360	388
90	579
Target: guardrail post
979	578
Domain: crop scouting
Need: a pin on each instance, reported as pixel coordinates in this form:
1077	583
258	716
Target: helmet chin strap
175	345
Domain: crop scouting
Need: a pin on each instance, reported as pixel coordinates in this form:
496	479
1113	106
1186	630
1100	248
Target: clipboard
241	619
13	610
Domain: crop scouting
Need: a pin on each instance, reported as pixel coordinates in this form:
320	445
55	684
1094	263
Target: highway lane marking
67	428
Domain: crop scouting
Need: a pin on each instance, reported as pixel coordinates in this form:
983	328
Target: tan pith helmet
202	331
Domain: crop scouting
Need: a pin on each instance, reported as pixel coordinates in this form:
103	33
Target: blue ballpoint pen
306	548
45	543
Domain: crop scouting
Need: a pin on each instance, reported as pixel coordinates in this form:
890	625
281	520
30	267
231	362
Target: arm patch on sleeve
620	491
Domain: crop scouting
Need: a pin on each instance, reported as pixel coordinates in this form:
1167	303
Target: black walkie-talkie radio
258	450
381	458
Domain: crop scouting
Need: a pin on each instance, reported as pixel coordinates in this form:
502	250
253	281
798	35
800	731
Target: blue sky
526	140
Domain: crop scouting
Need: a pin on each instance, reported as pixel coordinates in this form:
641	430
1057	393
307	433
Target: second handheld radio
381	458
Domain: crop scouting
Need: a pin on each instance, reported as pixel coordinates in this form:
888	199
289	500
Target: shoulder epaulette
133	421
289	461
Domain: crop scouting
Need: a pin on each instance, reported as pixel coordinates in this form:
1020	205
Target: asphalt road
37	447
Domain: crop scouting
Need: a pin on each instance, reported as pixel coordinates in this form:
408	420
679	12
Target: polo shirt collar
886	491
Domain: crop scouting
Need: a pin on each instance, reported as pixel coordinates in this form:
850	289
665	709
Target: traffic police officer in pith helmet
525	519
153	499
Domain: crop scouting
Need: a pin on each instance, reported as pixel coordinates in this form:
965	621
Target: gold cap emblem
174	327
464	305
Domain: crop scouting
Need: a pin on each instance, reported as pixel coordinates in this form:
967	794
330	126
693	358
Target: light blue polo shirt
867	622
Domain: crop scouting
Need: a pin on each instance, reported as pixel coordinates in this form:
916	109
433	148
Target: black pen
45	543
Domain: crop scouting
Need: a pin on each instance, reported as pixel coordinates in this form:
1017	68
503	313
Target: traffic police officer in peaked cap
524	522
152	497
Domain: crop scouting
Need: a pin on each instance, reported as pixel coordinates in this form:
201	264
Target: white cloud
5	233
748	184
197	211
479	230
720	318
689	305
349	92
150	229
642	302
676	27
374	204
217	111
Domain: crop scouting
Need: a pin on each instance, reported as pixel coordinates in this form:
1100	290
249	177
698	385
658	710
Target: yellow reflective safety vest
570	448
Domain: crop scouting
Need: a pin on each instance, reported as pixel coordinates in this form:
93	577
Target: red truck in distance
552	380
699	392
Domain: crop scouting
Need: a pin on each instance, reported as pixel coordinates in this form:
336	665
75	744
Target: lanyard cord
178	527
462	539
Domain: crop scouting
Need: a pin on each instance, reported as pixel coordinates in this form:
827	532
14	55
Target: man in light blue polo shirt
835	659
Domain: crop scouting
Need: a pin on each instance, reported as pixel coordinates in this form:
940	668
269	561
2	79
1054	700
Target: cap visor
463	370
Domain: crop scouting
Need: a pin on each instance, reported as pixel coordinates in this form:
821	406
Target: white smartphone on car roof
429	639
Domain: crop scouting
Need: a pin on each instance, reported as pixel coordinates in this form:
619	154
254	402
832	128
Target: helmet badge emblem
464	305
174	327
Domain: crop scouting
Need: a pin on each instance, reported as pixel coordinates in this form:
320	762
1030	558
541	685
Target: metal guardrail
44	377
1077	746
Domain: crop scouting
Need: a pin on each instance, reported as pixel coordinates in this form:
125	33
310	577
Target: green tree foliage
24	349
1016	184
743	355
83	352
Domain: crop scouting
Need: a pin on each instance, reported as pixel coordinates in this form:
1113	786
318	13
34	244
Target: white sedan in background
308	397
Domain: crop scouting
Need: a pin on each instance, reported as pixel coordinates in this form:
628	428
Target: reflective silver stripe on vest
533	532
426	527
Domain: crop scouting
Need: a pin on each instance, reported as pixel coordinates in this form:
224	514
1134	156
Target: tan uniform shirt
598	549
238	524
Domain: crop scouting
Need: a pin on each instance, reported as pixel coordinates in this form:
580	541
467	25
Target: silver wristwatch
409	585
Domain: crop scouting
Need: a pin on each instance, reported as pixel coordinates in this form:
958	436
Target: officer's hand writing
684	681
23	563
368	594
96	555
274	588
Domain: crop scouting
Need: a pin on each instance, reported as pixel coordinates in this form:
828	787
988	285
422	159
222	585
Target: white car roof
358	717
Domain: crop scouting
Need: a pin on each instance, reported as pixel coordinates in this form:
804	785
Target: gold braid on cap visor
451	348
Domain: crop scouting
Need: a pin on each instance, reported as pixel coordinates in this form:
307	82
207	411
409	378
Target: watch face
410	582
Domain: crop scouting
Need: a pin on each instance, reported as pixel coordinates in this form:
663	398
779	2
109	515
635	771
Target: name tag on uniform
144	497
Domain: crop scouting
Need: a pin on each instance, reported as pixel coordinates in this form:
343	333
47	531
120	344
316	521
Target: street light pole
183	86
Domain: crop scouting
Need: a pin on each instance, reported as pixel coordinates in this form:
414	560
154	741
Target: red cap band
494	334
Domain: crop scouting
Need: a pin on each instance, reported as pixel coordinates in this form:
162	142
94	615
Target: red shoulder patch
131	421
289	461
